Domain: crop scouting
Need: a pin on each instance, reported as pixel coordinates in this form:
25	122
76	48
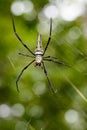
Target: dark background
36	107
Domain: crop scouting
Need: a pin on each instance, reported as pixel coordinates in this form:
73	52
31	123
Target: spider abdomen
38	58
38	61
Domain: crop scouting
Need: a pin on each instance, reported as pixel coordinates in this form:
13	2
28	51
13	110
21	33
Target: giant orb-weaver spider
38	55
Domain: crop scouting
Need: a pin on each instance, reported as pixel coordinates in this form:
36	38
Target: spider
38	55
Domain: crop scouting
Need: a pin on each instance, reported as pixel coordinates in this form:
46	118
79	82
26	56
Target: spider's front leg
16	34
49	36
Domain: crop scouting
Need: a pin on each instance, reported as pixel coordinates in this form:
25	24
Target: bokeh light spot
21	125
20	7
4	111
69	11
74	33
51	11
17	8
71	116
26	95
35	111
39	88
17	110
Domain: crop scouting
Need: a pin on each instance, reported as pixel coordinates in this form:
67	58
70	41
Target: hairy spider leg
19	37
50	57
26	55
51	86
56	61
49	36
17	80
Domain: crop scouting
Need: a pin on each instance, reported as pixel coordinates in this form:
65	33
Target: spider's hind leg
51	86
19	76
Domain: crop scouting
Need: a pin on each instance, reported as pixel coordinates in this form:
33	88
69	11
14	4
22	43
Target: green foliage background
48	109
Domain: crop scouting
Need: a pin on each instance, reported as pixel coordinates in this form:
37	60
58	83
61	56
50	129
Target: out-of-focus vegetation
36	107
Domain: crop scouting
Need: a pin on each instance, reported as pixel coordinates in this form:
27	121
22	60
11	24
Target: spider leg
22	73
51	86
58	62
25	55
19	37
49	36
50	57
